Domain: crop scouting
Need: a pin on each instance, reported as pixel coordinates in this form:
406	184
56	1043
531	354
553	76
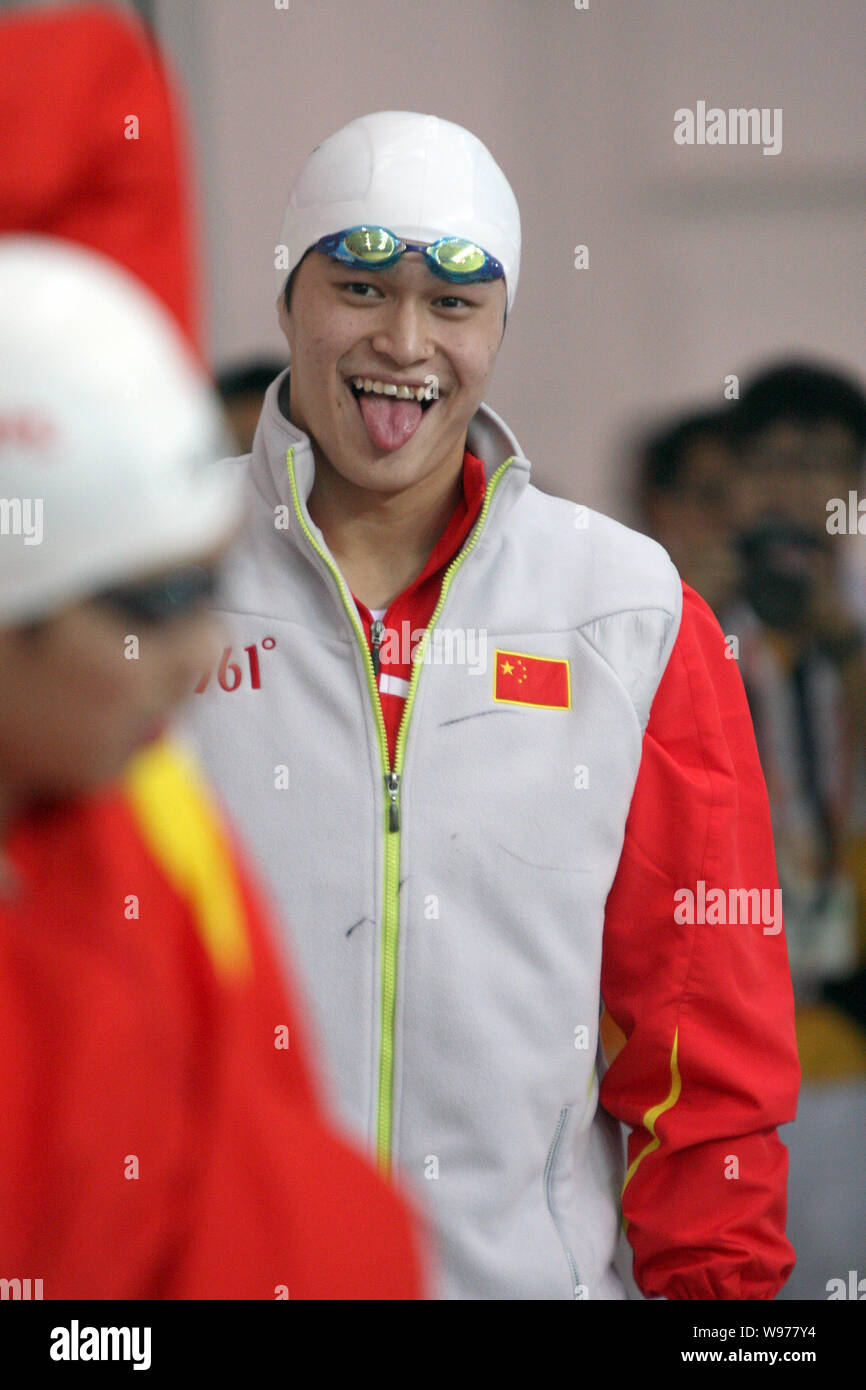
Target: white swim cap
421	177
109	432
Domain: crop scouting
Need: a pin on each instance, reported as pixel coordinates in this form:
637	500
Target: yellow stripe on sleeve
652	1115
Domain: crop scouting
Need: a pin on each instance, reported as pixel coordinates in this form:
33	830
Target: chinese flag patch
531	680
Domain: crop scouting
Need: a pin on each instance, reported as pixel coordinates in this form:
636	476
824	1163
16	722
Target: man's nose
404	335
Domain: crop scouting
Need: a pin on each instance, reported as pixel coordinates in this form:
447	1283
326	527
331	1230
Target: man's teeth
387	388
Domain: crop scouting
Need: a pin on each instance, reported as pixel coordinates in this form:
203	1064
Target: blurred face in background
791	470
697	506
788	473
693	521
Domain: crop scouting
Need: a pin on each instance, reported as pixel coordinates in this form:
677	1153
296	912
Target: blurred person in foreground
799	433
162	1135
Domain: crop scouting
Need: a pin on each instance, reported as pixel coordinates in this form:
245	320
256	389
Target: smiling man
475	868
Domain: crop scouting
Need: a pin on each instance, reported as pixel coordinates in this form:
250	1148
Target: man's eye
358	287
450	300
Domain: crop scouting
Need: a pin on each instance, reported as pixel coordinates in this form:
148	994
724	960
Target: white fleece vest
452	967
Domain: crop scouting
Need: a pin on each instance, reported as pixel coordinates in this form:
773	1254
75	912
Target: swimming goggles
375	248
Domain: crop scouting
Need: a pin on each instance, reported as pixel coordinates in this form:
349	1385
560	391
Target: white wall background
703	260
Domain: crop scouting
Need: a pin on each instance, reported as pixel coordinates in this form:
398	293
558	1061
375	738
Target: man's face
695	511
400	325
791	470
75	708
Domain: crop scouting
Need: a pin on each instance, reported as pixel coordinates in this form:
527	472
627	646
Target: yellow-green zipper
391	810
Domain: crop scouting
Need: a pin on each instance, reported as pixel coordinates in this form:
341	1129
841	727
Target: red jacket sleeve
709	1065
95	150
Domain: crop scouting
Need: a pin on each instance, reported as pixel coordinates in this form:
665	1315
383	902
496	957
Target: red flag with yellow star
532	680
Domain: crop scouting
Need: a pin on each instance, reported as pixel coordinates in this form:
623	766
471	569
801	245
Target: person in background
163	1135
242	390
95	148
799	432
684	482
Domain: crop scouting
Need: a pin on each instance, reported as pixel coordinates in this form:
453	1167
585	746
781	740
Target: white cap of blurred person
112	514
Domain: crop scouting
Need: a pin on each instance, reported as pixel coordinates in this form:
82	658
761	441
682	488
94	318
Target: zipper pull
377	632
392	783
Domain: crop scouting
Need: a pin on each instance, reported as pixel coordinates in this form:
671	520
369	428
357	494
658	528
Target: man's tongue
390	423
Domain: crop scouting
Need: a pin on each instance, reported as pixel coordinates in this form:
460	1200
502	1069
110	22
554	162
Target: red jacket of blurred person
161	1136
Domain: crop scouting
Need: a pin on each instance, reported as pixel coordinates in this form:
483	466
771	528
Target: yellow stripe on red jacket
178	823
